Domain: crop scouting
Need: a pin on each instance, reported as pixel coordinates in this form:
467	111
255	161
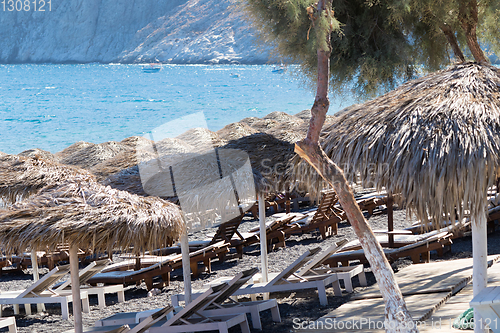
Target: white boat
279	69
152	68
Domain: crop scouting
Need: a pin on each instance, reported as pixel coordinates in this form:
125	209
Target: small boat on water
235	76
152	68
279	69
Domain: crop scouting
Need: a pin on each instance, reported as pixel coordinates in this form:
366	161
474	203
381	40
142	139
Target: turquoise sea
52	106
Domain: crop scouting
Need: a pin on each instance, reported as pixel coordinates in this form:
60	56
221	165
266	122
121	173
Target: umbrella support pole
479	262
186	267
263	241
36	275
75	288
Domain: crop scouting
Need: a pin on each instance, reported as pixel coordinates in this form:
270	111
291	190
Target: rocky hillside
129	31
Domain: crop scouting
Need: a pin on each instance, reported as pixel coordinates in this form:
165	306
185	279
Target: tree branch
452	40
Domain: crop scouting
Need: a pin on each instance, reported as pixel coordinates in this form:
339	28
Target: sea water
53	106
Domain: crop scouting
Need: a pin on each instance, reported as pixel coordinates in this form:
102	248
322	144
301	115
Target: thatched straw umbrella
249	120
84	213
38	153
268	156
202	182
66	152
435	140
289	131
201	138
235	131
21	177
92	154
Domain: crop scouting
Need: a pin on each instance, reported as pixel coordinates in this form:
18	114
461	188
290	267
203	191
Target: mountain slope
175	31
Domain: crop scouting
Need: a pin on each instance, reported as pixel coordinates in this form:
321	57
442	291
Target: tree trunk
468	19
450	36
398	318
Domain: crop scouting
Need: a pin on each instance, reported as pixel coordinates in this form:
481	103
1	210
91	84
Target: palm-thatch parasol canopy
235	131
21	176
269	157
435	140
83	212
90	155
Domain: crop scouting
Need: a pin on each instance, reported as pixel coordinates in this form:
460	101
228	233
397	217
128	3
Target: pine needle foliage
376	44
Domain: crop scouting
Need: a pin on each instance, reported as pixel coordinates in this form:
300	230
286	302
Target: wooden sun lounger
84	275
192	318
227	232
275	233
326	217
437	241
47	258
282	283
163	266
39	293
278	202
217	306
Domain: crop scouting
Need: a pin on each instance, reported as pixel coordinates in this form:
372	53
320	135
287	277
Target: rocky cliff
174	31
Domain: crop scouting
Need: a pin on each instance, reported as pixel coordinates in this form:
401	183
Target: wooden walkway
457	304
428	290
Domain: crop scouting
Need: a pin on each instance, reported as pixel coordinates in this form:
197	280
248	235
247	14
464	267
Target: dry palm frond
435	140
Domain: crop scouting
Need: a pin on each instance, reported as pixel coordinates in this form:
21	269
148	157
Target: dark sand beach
302	305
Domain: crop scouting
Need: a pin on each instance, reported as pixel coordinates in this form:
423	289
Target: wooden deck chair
278	201
326	217
217	306
87	273
274	234
224	304
160	266
40	292
281	283
417	251
315	267
9	322
227	232
190	319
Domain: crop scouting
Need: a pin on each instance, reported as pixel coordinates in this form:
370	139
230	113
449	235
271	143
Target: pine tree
377	44
370	45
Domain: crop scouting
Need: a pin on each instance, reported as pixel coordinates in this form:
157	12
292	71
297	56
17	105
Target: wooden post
186	266
479	263
390	220
263	241
263	238
75	288
36	275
